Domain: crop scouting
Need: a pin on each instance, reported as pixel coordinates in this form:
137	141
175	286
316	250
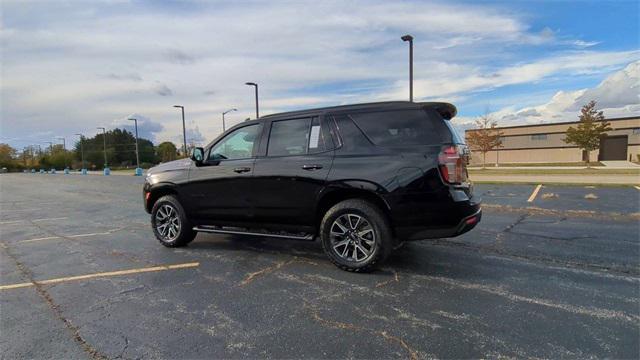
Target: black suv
362	178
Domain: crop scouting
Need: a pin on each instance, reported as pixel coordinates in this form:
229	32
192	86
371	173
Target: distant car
4	170
362	178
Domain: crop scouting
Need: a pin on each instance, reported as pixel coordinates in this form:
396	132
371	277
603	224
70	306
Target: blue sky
70	66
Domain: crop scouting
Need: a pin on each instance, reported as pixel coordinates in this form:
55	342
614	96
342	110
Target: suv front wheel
170	224
356	235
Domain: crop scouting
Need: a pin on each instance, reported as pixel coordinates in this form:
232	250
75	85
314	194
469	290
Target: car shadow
423	258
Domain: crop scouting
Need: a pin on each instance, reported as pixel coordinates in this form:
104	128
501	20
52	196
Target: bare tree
486	137
591	128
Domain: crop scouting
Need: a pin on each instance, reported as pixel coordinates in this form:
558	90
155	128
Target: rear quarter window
403	127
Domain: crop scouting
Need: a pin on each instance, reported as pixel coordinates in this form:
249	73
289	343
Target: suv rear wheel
356	235
170	224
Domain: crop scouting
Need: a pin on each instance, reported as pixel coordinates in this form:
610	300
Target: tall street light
84	170
184	129
224	128
409	38
256	86
137	156
64	149
104	140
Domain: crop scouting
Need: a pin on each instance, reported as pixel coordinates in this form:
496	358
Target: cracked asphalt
558	277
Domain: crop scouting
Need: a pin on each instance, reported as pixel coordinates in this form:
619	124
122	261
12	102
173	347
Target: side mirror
197	155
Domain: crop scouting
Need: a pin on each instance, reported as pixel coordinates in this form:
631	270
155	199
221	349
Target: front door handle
240	170
312	167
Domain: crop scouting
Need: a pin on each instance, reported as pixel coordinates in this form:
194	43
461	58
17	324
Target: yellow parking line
534	193
637	187
103	274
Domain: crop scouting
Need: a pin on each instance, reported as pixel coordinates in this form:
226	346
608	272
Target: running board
307	237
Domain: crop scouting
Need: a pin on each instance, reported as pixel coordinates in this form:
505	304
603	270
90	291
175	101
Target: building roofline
558	123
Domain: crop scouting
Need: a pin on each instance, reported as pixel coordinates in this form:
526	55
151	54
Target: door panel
289	187
221	189
293	172
222	192
613	148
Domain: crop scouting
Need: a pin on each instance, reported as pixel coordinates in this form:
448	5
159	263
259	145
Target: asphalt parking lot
81	276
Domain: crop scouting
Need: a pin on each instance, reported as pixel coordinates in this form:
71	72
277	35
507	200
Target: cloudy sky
70	66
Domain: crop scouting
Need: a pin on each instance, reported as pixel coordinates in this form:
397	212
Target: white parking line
534	193
67	236
34	220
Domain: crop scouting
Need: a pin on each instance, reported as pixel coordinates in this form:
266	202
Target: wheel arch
159	190
334	195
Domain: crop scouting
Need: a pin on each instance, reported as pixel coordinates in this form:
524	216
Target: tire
367	239
170	224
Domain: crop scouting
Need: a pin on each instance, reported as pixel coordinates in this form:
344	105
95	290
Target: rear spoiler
446	110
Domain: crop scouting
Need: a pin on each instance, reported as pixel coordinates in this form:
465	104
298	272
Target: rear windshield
403	127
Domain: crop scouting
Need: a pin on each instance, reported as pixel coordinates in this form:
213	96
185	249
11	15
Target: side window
318	137
290	137
403	127
236	145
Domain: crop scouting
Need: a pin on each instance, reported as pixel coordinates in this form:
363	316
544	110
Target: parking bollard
106	171
138	171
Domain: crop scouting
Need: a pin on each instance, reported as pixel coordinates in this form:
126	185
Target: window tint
236	145
290	137
403	127
539	137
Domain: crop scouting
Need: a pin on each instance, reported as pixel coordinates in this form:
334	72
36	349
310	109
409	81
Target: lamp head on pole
251	84
407	38
178	106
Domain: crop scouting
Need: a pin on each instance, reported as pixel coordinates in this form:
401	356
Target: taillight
453	164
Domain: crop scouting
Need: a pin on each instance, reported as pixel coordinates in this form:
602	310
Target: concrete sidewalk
587	179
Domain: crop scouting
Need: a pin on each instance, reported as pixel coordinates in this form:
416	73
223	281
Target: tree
7	156
486	137
167	151
591	128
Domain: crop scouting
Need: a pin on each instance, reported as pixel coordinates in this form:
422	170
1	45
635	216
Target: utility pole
84	169
104	140
184	129
64	149
409	38
256	87
223	125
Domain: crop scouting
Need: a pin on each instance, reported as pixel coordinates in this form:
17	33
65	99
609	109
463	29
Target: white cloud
618	95
72	66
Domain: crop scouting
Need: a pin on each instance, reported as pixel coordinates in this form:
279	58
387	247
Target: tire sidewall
370	213
185	234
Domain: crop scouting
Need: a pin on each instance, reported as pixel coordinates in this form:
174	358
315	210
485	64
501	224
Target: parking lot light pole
138	168
256	86
224	128
106	170
53	170
84	169
184	129
409	38
64	152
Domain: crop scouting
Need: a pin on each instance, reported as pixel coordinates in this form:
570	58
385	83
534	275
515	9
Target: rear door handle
242	169
312	167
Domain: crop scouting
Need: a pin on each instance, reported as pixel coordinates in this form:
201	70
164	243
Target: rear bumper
420	233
